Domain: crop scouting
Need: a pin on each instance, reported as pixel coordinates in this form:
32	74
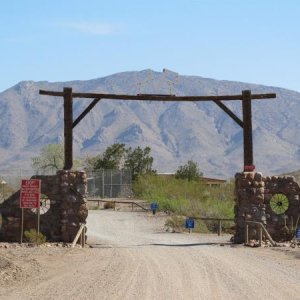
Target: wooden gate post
68	128
248	143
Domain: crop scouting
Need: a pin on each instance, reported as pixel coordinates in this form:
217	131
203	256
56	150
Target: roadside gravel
134	258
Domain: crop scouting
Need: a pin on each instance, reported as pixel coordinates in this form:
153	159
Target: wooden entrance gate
246	122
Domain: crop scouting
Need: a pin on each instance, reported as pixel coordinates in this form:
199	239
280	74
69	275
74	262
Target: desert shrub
32	236
108	205
176	223
188	198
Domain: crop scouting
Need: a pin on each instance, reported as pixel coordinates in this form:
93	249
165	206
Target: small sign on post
30	195
154	207
190	224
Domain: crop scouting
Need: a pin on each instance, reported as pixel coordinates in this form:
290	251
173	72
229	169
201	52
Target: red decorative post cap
249	168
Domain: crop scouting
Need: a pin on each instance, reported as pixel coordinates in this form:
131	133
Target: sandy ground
134	258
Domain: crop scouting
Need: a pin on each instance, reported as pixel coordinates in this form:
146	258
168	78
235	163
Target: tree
90	162
112	158
51	158
117	156
139	161
189	171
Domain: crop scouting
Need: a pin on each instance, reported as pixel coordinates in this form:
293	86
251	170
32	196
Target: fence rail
214	219
80	234
219	228
261	229
119	202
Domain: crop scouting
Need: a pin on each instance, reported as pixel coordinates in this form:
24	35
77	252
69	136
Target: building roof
208	180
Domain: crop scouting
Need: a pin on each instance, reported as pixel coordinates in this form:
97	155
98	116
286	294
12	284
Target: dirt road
133	258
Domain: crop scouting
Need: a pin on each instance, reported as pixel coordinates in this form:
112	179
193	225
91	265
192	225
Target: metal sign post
30	198
190	224
154	207
22	225
38	223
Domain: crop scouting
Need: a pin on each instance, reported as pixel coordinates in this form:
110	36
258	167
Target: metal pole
38	224
110	183
121	189
22	225
94	184
103	184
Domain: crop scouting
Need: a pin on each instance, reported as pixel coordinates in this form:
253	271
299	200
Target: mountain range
176	132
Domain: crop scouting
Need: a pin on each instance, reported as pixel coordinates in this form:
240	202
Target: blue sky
59	40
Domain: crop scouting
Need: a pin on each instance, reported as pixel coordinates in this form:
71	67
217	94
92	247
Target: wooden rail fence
219	228
133	203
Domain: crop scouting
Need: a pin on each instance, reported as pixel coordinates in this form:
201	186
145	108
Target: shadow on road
95	245
191	245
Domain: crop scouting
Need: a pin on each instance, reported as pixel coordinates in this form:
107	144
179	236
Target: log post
68	128
247	120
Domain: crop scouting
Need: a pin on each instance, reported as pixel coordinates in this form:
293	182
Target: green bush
188	198
32	236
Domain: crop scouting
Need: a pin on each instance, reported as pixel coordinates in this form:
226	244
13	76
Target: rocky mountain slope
176	132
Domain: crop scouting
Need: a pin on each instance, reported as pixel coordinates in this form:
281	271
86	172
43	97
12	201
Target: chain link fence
109	183
100	183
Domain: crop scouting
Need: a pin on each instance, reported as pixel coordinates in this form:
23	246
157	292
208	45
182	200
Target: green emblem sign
279	203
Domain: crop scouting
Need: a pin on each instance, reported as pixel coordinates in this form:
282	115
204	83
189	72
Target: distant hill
176	132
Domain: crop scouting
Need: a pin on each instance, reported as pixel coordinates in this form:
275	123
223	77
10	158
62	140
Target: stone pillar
66	193
253	193
73	210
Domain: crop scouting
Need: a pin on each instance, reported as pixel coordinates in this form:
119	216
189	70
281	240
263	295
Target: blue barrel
298	233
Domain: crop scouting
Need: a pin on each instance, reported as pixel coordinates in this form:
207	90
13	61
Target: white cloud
92	28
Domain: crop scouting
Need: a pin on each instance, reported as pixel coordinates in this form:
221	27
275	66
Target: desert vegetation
183	197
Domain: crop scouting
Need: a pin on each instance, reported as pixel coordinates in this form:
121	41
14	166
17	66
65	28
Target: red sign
30	193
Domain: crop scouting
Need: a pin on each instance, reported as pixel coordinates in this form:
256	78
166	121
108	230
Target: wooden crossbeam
85	112
230	113
154	97
246	123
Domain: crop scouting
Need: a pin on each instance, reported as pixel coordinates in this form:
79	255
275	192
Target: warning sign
30	193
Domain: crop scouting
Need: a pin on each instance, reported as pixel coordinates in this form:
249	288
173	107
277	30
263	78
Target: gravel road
134	258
